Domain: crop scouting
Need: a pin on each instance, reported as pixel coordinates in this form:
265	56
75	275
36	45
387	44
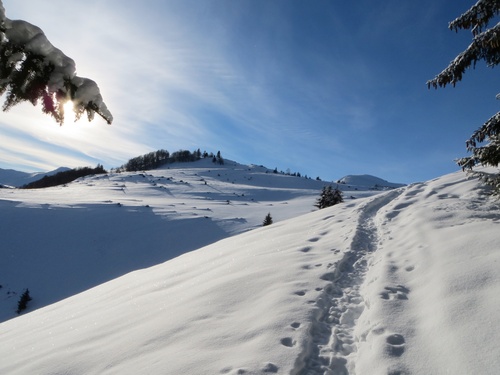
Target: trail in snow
332	346
401	283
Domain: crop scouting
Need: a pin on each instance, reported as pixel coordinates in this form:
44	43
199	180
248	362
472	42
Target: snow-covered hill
368	181
401	282
63	240
10	177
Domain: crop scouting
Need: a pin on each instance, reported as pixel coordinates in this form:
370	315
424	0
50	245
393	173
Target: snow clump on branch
21	41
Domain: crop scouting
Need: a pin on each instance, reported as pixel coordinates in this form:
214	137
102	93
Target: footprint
395	345
410	268
340	365
300	293
330	276
295	325
314	239
393	269
306	249
270	368
288	342
392	293
398	370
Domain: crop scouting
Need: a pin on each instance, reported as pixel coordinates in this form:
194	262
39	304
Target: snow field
241	304
402	282
63	240
432	287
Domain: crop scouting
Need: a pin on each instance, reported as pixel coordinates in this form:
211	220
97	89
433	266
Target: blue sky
325	88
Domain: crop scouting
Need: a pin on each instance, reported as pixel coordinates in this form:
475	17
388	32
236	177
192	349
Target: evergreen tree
484	143
268	220
218	159
329	197
64	177
33	70
22	304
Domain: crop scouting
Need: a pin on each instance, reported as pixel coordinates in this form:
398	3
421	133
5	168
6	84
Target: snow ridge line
332	343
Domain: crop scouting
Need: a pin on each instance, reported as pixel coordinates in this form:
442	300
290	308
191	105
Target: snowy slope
63	240
368	181
403	282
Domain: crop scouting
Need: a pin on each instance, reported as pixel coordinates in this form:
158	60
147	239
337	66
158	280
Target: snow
404	281
2	13
33	39
367	180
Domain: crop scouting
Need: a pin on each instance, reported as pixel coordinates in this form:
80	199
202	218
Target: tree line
64	177
156	159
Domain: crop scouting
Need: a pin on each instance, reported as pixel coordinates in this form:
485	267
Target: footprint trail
332	344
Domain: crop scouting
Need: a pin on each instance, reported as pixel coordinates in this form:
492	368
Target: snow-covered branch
485	46
477	17
32	69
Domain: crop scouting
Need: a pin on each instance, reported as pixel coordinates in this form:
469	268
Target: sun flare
69	114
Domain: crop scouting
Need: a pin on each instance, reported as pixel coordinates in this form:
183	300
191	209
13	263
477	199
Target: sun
70	127
69	114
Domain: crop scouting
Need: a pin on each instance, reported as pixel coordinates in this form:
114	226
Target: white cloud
155	83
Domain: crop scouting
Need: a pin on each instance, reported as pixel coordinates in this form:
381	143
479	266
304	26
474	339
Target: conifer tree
329	197
33	70
22	304
268	220
484	143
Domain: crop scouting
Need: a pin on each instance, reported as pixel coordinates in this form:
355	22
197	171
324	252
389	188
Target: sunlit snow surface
63	240
402	282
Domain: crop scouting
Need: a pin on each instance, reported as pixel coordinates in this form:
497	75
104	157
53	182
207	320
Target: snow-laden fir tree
484	143
33	70
329	197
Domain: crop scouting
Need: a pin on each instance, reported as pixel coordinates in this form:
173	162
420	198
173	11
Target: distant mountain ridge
369	181
11	177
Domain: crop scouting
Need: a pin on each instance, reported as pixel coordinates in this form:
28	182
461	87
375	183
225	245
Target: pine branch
32	69
485	46
489	129
477	17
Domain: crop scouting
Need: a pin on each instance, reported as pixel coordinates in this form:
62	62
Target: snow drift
403	282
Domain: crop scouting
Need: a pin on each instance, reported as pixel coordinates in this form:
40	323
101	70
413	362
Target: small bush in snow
23	301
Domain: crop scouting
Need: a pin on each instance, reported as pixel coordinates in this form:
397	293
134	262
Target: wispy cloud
168	85
262	81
